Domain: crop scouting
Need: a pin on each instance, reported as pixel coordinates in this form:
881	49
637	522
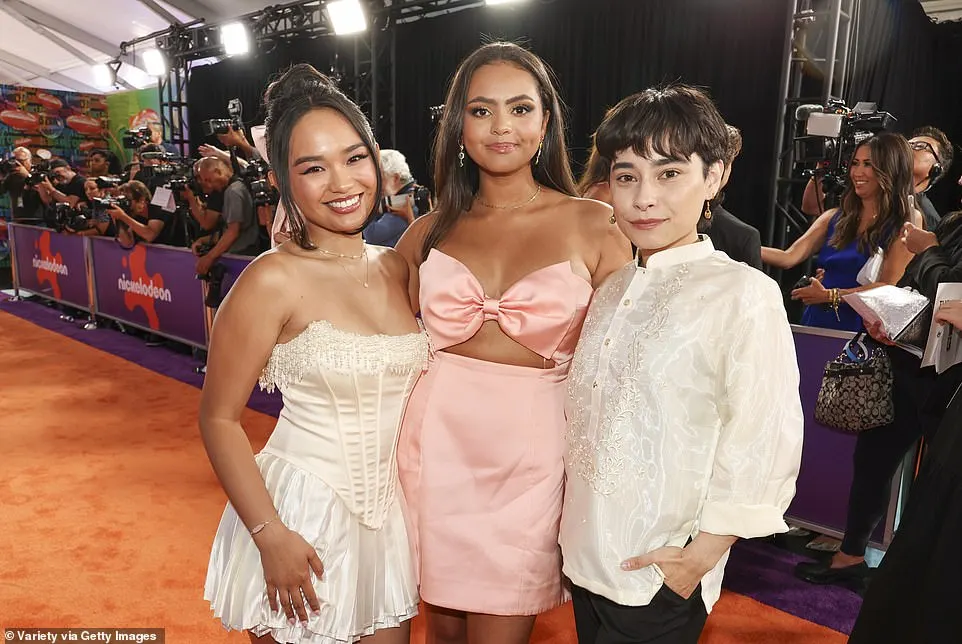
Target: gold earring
461	156
612	219
708	211
537	159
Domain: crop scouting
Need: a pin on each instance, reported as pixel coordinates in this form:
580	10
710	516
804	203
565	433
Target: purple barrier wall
153	287
235	264
821	497
51	264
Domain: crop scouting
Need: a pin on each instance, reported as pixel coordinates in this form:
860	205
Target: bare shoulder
392	262
409	246
269	272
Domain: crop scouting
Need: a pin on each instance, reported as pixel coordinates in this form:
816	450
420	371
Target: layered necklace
341	256
510	207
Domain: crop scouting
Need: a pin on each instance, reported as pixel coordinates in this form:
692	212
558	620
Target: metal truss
821	35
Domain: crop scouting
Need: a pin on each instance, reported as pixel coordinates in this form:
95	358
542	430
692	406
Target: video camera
134	139
833	131
39	172
255	178
61	217
8	165
106	183
235	110
420	196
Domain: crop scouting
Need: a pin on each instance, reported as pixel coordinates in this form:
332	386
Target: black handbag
856	392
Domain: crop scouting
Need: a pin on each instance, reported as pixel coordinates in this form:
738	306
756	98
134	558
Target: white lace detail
322	345
598	456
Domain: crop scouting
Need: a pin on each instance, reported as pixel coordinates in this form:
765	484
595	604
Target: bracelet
836	299
260	526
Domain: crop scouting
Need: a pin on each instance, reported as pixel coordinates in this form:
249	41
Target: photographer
91	221
398	209
145	221
67	186
236	214
102	163
24	199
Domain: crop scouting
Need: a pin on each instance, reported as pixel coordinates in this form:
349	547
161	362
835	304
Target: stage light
347	16
233	36
103	76
495	2
154	63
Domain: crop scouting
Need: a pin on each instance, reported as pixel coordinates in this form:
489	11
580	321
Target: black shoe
821	572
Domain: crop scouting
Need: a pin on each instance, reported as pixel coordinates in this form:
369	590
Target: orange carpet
109	503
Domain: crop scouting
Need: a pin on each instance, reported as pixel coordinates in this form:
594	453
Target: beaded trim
323	345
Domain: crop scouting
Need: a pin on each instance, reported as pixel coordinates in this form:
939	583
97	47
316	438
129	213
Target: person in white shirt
684	419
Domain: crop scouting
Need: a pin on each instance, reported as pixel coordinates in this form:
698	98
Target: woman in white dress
312	546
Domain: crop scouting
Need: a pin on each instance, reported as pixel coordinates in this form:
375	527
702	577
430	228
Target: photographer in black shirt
63	185
143	220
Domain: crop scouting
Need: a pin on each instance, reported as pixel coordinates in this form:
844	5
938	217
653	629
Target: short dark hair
59	163
675	121
946	152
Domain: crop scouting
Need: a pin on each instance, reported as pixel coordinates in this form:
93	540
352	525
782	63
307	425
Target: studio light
233	36
103	76
495	2
154	63
347	16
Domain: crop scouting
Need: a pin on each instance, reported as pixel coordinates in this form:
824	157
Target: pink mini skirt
481	464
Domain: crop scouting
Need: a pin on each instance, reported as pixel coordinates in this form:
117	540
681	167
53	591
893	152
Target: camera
802	282
102	204
255	177
133	139
39	172
105	183
833	131
8	165
235	109
419	196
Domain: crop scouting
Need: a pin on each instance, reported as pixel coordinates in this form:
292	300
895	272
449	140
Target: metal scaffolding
374	53
817	61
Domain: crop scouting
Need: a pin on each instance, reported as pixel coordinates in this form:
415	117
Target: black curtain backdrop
604	50
912	68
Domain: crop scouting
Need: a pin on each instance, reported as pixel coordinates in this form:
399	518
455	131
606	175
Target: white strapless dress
330	466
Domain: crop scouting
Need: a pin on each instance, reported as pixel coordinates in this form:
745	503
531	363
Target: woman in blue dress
875	206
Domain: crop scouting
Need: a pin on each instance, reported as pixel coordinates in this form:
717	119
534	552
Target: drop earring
612	219
461	156
537	158
707	211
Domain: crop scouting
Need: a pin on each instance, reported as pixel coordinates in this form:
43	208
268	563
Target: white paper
944	348
164	198
871	269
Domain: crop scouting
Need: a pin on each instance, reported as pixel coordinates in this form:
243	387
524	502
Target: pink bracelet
260	526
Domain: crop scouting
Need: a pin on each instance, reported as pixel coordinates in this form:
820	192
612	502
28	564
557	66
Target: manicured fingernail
625	565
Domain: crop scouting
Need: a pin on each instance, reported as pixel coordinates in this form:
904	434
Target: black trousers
668	619
920	400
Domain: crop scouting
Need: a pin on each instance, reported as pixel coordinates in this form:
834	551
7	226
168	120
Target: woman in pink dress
507	263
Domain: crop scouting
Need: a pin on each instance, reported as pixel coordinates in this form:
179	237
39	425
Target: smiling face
862	173
658	201
333	178
504	119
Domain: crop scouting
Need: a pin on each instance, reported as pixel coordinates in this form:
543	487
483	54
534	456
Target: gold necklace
524	203
341	256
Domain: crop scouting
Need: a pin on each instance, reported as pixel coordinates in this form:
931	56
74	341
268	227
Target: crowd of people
525	401
528	389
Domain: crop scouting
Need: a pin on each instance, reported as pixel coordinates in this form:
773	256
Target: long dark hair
892	162
456	186
597	170
298	91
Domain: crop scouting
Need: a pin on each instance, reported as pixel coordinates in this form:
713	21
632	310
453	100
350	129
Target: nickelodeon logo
142	290
140	287
50	266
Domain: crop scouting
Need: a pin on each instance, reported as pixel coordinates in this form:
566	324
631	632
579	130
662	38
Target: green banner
130	111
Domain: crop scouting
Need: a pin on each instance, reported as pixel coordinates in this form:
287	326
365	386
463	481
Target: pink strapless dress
482	443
